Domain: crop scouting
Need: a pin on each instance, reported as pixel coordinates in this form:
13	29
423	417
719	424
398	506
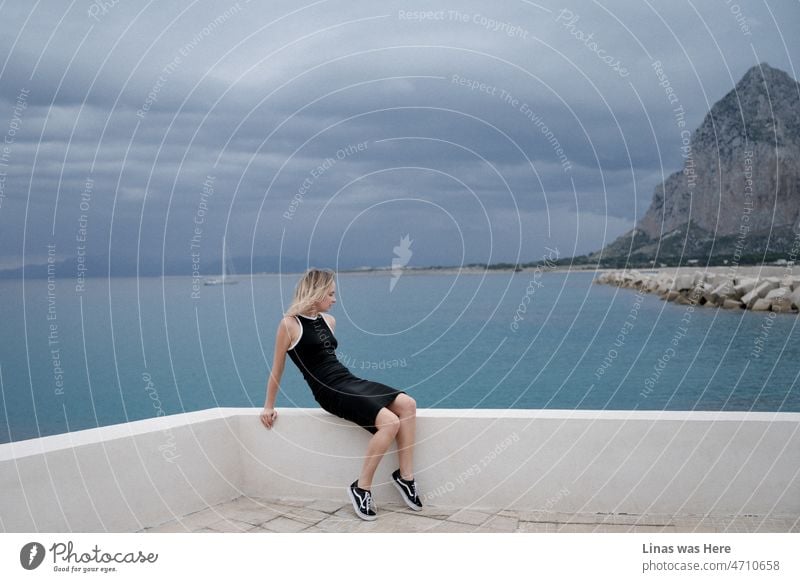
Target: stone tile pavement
288	515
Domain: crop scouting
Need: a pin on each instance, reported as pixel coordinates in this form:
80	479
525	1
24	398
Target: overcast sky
323	133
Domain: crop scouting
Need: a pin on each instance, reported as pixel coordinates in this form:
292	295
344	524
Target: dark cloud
477	123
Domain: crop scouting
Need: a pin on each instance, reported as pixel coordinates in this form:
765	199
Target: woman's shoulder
289	326
330	319
289	321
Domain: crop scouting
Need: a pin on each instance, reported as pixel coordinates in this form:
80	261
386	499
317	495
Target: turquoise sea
125	349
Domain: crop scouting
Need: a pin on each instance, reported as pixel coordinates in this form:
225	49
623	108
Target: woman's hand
268	416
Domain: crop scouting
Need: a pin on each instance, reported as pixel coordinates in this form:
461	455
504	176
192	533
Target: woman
306	334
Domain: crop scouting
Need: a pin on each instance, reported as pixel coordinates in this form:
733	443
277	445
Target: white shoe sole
354	501
405	498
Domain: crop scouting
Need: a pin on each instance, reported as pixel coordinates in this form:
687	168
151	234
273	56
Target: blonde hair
311	287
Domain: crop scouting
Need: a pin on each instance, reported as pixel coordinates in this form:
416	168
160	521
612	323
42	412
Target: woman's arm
283	340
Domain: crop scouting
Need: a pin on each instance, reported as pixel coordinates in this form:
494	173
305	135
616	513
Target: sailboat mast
224	257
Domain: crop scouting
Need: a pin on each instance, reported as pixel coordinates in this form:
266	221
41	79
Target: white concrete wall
122	477
565	461
125	477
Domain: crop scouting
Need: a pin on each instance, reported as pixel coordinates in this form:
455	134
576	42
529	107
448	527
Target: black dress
334	387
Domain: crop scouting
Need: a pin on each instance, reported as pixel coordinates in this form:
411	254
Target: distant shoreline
747	270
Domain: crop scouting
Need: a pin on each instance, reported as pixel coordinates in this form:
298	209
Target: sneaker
362	501
408	489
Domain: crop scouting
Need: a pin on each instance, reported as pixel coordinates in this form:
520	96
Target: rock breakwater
780	294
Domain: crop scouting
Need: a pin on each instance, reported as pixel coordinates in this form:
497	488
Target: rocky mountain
737	197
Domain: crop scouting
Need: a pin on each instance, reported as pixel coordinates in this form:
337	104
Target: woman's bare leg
387	424
405	407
